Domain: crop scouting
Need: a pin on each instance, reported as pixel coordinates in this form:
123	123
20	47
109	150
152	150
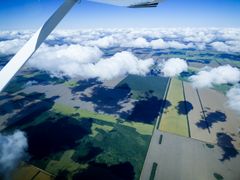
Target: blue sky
31	14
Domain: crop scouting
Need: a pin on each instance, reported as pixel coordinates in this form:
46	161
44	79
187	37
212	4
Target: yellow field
30	172
171	120
144	129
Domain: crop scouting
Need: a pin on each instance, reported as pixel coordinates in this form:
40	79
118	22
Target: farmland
174	118
80	140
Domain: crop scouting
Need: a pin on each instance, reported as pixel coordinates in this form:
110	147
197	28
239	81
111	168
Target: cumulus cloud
55	59
12	150
224	39
136	43
173	67
105	42
159	38
86	62
234	98
161	44
228	46
10	35
119	65
12	41
10	46
219	75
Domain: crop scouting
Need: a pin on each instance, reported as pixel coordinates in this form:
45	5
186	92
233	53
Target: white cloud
119	65
56	58
220	46
226	40
86	62
234	98
119	40
219	75
136	43
10	46
228	46
161	44
12	150
173	67
10	35
105	42
158	44
12	41
200	46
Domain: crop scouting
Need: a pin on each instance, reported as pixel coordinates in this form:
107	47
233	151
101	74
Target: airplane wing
130	3
24	54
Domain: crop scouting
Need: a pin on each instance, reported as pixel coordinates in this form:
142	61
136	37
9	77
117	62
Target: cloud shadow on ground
184	107
85	84
30	112
210	119
224	141
148	109
53	136
119	171
108	100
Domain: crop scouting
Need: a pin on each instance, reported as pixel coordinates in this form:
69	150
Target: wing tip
146	5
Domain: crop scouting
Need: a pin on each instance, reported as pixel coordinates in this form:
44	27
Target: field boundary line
204	115
163	104
185	104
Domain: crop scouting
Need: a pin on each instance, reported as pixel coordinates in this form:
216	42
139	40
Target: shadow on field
187	74
32	111
229	56
148	109
224	141
19	103
201	61
4	96
11	105
84	84
5	59
51	136
86	152
108	100
98	171
184	107
41	78
210	119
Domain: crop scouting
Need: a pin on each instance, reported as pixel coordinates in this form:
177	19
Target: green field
108	141
71	83
65	163
142	128
118	140
69	142
171	120
140	86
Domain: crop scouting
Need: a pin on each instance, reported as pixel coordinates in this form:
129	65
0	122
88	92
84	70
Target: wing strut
15	64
